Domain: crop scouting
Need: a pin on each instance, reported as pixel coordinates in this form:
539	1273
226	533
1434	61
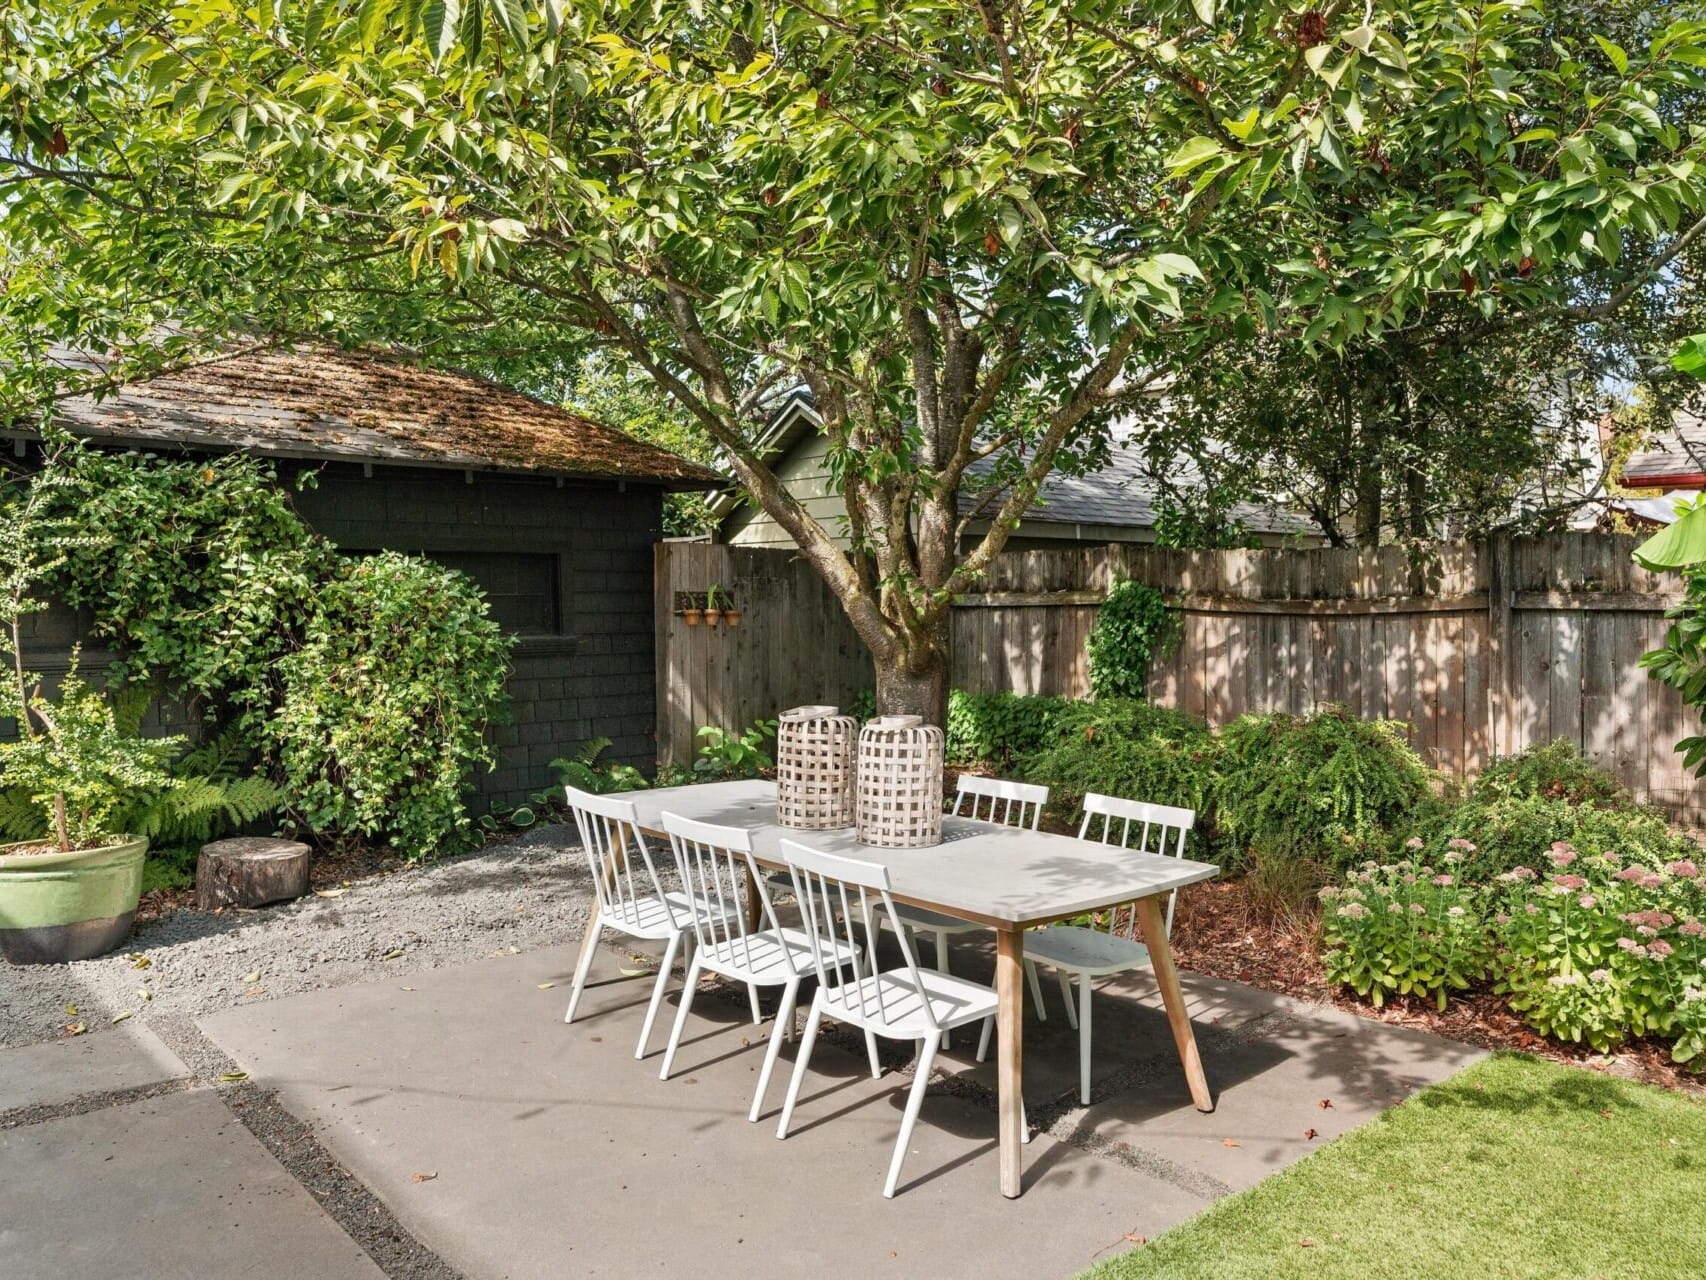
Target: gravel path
533	892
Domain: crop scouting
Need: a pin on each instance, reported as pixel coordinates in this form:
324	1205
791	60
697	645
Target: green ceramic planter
56	907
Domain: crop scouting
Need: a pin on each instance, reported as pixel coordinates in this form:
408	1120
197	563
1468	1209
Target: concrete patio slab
516	1146
165	1187
58	1071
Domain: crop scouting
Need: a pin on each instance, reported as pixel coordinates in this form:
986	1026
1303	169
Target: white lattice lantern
814	768
900	783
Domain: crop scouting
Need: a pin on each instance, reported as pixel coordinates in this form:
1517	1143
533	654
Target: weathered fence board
1482	651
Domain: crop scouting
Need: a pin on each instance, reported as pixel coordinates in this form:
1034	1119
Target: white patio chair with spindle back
1088	953
713	860
630	898
836	895
1004	803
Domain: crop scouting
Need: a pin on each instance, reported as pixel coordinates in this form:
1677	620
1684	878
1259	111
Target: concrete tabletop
1004	877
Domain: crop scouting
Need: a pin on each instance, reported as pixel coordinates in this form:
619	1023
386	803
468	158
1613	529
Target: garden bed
1220	932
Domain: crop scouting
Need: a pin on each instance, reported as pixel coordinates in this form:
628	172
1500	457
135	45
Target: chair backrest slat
824	882
999	800
1160	829
610	836
712	860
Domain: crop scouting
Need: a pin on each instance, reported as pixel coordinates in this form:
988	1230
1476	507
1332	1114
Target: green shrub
723	754
384	707
1326	786
1133	625
369	715
1589	946
198	570
997	729
1403	929
1520	830
1555	771
1123	748
1595	948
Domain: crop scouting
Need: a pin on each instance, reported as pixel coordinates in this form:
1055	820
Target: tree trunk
915	682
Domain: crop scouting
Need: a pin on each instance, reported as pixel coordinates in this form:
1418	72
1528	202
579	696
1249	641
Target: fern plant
587	771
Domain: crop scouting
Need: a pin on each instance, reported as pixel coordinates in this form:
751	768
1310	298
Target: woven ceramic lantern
814	768
900	783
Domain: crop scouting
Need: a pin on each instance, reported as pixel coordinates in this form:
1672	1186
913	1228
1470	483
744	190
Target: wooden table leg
1178	1017
1009	1055
754	904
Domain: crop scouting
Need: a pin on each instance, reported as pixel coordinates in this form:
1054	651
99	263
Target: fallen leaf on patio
692	1080
1326	1104
234	1077
405	988
596	1039
330	893
143	993
424	1177
139	961
634	973
75	1028
1230	1142
252	977
121	1015
546	986
392	954
1310	1134
70	1011
1137	1239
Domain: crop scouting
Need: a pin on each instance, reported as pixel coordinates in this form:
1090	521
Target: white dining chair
1088	953
713	859
630	898
835	894
996	800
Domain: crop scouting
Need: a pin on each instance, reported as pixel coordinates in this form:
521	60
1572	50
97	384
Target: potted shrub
73	894
70	773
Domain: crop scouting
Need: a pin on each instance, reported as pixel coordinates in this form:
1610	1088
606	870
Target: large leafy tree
974	230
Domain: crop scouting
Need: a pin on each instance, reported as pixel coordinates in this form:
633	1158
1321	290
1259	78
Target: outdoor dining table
1004	877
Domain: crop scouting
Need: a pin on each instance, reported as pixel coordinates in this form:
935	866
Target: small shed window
522	589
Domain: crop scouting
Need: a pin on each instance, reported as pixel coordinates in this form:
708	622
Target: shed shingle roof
318	402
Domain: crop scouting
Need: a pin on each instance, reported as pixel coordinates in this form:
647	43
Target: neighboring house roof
1676	458
1119	495
1123	494
322	403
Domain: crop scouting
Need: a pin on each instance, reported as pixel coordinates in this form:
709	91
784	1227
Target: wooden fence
1484	651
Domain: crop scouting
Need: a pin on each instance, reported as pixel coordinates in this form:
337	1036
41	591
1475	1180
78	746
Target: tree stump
250	871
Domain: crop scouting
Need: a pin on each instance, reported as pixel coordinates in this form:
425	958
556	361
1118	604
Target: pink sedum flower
1660	948
1684	868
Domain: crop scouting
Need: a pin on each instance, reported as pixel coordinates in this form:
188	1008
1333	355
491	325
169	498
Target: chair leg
680	1018
583	966
942	968
752	998
1084	1038
983	1039
914	1102
1067	995
871	1050
1037	990
806	1043
657	994
784	1018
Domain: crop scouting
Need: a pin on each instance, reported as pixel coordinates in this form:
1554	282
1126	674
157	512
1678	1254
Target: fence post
1501	637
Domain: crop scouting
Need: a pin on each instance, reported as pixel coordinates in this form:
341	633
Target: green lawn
1513	1167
